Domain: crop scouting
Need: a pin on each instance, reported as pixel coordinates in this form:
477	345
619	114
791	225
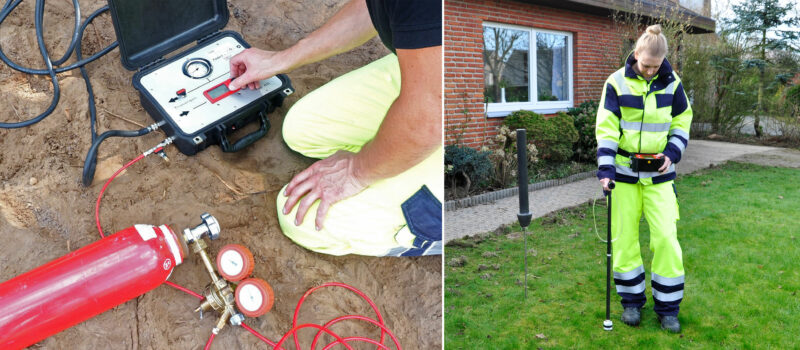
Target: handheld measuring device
646	162
189	92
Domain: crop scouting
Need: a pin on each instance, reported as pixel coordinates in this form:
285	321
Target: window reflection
506	62
552	80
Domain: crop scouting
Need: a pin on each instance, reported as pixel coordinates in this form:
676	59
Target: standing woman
644	110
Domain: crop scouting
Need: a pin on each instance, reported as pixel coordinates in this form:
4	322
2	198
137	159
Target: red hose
335	284
198	296
295	327
293	332
259	336
97	205
210	339
97	214
368	340
357	317
325	328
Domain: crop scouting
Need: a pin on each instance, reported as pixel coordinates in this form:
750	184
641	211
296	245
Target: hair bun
654	29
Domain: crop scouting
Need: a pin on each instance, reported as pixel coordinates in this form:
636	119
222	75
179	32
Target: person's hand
604	182
667	163
252	65
329	180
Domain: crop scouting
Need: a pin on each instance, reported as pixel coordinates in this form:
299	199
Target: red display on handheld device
647	156
219	91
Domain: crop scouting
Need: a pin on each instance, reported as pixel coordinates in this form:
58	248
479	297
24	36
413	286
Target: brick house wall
464	121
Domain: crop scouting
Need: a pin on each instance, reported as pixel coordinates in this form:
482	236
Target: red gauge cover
248	263
253	309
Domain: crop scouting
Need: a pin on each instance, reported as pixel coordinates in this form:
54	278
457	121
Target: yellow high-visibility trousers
398	216
659	205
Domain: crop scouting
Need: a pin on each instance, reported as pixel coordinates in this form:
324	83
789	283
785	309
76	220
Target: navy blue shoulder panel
679	104
612	101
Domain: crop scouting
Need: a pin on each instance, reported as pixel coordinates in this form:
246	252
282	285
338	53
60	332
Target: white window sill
499	111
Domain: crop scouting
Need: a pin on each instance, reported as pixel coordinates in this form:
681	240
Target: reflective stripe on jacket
641	117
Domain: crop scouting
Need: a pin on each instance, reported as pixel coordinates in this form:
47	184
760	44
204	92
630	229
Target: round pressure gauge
235	262
254	297
197	68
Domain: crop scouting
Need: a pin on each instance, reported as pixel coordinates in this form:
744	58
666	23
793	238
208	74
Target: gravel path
700	154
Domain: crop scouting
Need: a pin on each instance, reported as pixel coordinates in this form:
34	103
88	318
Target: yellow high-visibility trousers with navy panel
658	203
398	216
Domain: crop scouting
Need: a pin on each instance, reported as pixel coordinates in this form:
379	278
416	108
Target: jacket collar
664	72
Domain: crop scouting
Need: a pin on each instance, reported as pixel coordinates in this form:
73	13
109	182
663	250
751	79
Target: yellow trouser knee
344	114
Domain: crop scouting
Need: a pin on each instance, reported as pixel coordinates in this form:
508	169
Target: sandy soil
45	212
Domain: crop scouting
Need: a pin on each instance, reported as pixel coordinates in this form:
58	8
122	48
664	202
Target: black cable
79	29
9	7
77	35
39	18
91	157
85	74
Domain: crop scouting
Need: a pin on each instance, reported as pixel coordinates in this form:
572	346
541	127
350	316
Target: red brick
593	45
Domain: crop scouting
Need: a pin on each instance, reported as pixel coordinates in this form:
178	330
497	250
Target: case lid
149	29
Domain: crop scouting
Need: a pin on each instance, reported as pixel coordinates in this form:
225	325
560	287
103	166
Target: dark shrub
584	117
466	167
553	137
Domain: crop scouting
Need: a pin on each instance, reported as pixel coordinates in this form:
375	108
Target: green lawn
740	235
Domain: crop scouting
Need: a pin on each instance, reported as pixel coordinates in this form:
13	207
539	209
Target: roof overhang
650	9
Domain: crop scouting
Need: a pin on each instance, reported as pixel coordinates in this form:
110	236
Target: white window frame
500	109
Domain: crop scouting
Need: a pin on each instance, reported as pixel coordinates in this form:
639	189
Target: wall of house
594	54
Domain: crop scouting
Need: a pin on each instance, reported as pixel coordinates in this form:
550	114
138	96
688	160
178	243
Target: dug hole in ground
46	213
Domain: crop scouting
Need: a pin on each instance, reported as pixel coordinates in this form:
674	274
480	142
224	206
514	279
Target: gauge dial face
231	263
197	68
250	297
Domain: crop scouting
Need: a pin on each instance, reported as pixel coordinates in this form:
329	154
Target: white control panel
193	89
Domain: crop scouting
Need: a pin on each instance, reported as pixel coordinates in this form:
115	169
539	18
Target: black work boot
670	323
631	316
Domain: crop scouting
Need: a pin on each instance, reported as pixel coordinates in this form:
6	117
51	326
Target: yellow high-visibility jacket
637	116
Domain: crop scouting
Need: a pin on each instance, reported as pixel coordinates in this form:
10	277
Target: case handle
248	139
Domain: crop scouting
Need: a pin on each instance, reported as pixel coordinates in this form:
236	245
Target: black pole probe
524	215
607	324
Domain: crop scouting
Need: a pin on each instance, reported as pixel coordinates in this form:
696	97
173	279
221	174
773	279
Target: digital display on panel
218	91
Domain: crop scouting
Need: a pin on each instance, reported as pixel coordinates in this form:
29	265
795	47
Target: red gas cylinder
85	283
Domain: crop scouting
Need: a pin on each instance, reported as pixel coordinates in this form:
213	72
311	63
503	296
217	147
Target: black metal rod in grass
524	215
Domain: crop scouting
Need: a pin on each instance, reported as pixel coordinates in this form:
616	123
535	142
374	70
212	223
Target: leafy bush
721	90
465	167
584	117
553	137
793	96
504	157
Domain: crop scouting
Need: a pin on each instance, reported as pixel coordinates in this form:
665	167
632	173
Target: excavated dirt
45	212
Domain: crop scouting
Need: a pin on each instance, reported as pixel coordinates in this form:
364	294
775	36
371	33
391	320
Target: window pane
552	74
505	65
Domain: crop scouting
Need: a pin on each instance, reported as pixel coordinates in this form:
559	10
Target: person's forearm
349	28
412	128
408	135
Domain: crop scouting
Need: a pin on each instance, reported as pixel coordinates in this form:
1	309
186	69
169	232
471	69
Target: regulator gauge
197	68
235	262
254	297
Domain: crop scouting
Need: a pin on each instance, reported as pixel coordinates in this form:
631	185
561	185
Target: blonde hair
652	41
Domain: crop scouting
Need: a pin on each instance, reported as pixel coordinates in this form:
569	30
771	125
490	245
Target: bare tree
499	45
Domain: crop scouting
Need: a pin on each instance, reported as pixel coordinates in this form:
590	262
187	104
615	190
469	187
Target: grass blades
739	232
